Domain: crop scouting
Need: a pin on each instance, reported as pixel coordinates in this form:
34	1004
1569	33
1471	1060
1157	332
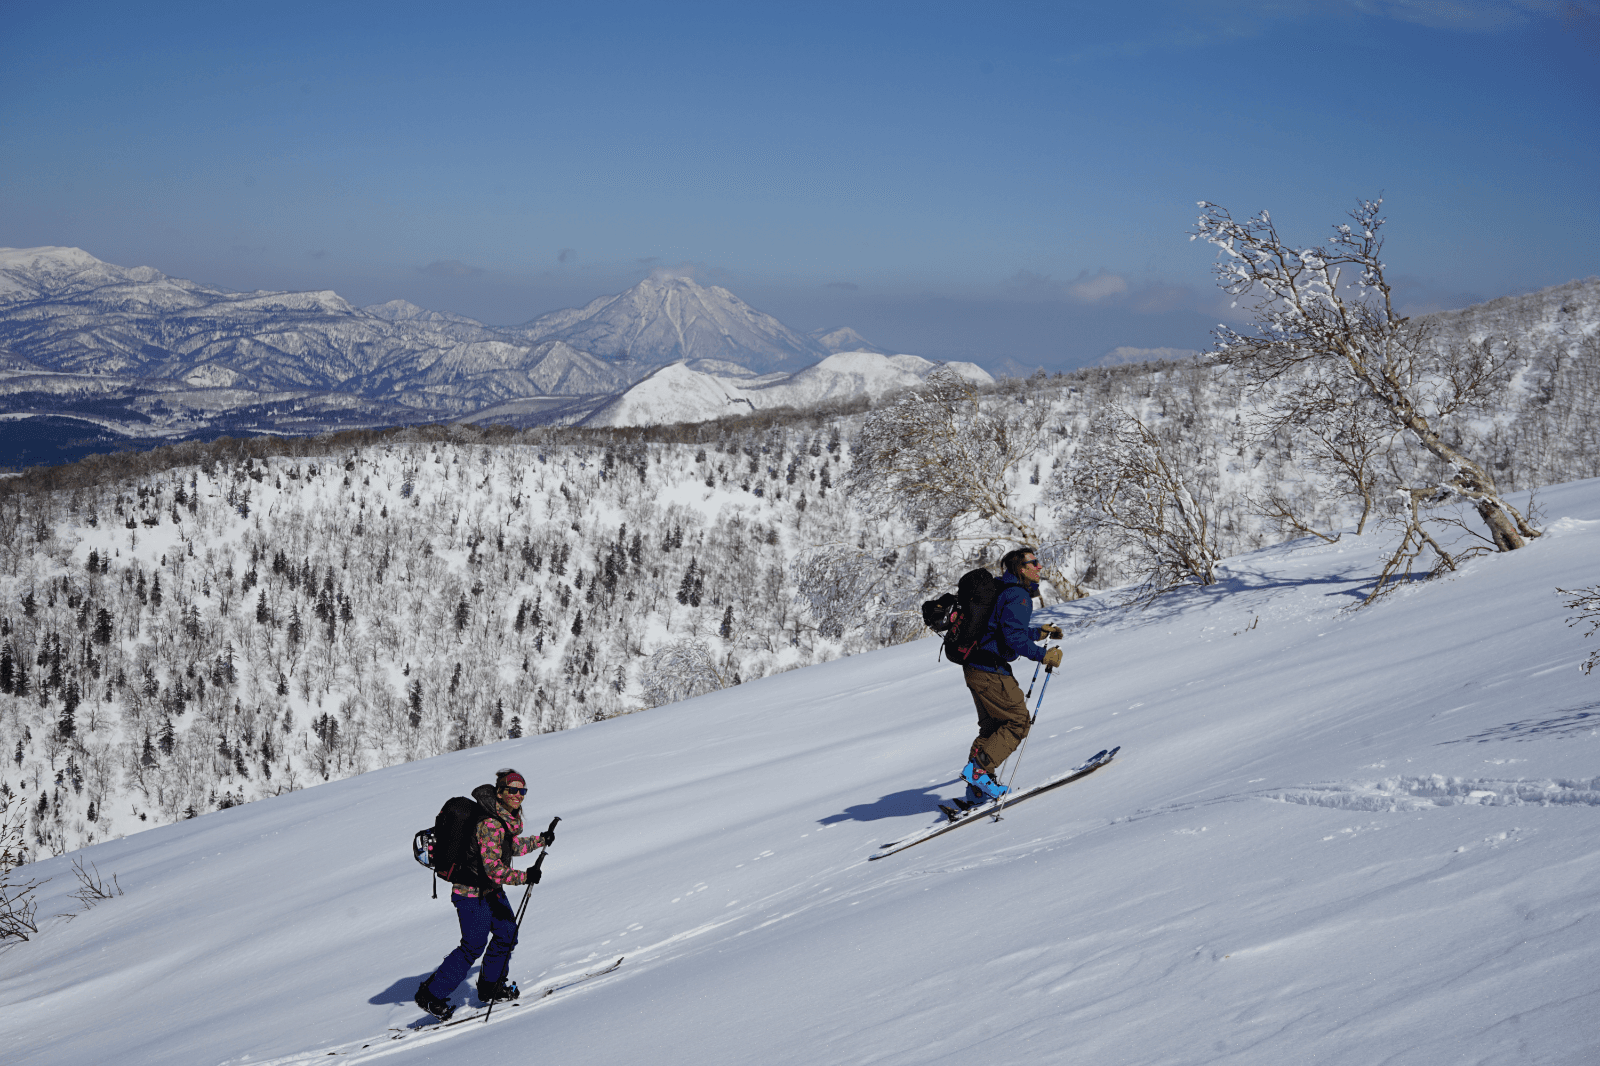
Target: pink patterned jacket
490	838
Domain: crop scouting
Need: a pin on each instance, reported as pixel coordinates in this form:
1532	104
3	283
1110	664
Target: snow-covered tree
1586	602
680	670
947	460
1131	489
1330	351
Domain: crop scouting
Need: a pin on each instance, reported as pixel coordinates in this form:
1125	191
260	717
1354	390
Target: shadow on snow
911	801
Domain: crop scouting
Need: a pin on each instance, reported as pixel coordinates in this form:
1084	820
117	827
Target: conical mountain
667	318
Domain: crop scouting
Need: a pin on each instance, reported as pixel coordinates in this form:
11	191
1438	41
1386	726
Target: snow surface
1331	838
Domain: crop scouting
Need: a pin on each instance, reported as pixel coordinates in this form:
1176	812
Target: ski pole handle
545	850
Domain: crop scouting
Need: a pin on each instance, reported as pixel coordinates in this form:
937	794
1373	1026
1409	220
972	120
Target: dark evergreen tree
686	587
727	623
67	724
414	697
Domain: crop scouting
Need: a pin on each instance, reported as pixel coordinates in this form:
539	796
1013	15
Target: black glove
534	874
547	837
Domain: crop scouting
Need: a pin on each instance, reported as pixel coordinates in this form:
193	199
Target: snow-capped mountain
680	393
843	339
89	329
667	318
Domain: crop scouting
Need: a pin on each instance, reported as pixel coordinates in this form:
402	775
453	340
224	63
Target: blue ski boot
502	991
980	782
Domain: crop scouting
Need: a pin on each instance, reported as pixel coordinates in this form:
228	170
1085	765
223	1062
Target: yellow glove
1050	631
1052	658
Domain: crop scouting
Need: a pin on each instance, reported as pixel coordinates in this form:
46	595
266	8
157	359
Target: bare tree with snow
1133	491
947	459
680	670
1587	603
1324	342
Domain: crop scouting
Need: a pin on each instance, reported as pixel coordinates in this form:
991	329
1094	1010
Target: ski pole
1028	693
533	879
1018	763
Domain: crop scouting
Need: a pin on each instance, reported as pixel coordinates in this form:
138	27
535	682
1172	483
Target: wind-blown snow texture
1331	838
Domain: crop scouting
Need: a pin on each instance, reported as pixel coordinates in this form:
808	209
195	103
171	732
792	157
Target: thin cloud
567	255
666	273
1481	16
1097	288
450	268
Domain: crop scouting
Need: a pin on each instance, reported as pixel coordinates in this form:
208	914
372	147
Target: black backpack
962	616
450	847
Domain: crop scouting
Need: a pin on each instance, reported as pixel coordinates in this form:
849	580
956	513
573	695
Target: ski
956	817
514	1004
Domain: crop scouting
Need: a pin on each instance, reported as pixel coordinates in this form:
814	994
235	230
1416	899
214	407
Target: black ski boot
503	991
439	1008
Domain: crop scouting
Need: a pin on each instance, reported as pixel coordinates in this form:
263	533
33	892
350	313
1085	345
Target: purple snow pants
480	916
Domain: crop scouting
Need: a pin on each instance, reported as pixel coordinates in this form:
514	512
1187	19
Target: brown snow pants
1002	717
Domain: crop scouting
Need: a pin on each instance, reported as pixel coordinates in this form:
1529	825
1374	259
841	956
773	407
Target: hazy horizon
1008	185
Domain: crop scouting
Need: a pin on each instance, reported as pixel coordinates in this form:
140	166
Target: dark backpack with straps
450	847
963	616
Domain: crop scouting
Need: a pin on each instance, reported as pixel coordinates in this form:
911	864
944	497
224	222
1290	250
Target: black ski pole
1035	677
533	879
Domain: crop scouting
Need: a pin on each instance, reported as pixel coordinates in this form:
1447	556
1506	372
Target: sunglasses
1030	562
515	791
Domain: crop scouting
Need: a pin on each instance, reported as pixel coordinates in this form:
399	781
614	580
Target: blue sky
998	181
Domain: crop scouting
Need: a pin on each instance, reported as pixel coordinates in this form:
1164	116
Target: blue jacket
1010	632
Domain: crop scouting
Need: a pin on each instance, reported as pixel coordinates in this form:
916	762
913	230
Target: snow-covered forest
209	624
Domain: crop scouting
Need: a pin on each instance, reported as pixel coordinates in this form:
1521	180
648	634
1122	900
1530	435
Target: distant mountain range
94	355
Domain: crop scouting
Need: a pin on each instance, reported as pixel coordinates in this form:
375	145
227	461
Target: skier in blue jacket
1002	710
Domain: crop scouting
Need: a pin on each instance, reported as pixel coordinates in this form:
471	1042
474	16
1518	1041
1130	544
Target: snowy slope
1331	838
679	393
